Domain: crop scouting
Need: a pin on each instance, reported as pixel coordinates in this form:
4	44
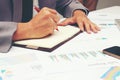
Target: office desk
80	56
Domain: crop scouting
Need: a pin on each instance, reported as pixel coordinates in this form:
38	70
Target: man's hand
43	24
83	22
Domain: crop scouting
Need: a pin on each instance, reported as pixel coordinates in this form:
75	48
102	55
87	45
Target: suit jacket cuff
7	30
74	5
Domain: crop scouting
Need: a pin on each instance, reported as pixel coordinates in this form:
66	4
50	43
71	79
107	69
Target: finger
66	22
55	17
94	28
81	26
50	10
87	27
97	28
54	25
47	12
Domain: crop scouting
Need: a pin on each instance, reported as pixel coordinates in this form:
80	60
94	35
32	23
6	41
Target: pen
38	10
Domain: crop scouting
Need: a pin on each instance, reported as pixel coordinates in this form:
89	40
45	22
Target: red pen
38	10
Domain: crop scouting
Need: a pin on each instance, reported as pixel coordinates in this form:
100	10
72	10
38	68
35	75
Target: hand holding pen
54	19
41	25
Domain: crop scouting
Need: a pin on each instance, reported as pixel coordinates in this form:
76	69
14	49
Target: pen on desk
38	10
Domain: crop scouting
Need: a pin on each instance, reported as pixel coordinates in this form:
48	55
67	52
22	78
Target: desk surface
84	49
109	14
113	9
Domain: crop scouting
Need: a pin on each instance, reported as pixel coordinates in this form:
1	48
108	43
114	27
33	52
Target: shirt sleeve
7	30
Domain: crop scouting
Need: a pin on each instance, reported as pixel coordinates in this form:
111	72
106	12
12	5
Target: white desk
79	56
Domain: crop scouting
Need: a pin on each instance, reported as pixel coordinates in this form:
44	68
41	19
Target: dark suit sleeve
67	7
7	30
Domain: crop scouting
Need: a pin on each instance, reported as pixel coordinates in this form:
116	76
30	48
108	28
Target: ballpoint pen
38	10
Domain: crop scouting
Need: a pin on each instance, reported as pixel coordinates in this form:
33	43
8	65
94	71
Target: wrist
79	12
21	32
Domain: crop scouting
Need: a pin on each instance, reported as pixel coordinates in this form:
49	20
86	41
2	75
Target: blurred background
107	3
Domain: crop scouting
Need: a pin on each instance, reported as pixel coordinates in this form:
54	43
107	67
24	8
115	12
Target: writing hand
41	25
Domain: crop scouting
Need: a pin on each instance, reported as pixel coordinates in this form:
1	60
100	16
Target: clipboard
51	42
